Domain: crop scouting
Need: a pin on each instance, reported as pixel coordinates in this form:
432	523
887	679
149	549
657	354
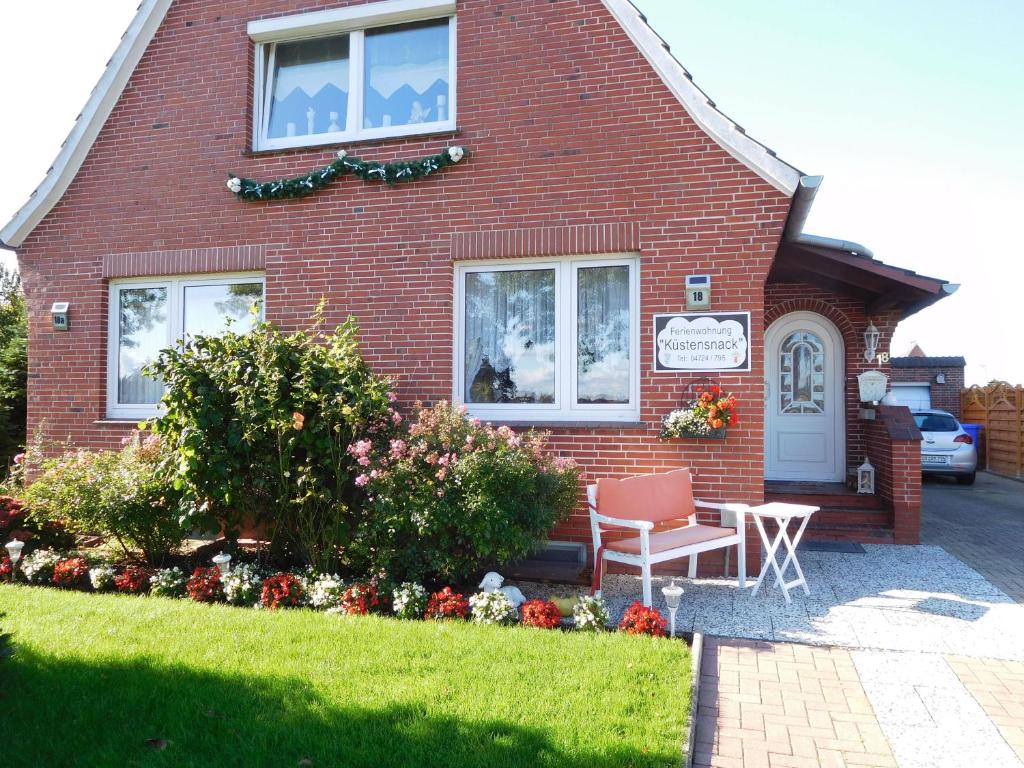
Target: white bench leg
645	574
741	560
692	572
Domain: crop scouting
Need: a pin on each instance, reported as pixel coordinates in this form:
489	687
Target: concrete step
827	500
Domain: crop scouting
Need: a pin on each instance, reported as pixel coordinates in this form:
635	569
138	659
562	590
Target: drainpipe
800	209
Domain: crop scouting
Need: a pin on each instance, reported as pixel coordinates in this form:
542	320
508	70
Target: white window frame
175	286
565	408
355	22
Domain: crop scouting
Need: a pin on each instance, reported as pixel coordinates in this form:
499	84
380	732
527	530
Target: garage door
915	396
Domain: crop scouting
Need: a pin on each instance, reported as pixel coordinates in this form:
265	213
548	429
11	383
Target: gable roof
151	13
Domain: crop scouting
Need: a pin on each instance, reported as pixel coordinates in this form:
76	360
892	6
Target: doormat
843	547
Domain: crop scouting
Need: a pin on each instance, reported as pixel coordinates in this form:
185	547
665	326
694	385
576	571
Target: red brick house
531	280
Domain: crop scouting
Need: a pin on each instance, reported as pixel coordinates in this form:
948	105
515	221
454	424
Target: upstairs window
366	83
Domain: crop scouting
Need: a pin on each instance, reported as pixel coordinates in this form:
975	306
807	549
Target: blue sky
911	110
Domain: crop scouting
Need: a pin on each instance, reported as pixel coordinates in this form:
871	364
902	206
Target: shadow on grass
143	713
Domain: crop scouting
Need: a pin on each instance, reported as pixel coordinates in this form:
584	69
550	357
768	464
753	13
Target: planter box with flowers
707	417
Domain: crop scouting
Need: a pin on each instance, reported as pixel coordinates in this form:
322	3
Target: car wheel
965	479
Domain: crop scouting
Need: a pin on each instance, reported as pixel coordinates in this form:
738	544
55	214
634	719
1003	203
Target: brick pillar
893	444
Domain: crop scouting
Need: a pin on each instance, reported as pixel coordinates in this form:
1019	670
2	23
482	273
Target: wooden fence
999	408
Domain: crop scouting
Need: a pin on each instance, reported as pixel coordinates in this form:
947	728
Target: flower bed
249	585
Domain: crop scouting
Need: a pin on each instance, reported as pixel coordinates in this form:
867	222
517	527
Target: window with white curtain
360	83
152	314
553	340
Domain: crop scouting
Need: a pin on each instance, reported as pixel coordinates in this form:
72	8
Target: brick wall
946	396
893	446
568	127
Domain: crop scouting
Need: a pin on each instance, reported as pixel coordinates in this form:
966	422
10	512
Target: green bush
259	424
13	367
457	496
123	495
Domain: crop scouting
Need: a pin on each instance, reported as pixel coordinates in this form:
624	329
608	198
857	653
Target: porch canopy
849	269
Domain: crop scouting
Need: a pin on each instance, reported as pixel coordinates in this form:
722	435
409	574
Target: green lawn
95	677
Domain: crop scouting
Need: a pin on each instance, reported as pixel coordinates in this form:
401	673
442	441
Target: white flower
409	601
101	577
326	593
342	154
492	608
38	567
590	613
168	582
235	184
456	153
242	585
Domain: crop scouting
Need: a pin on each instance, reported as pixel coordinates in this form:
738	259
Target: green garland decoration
307	184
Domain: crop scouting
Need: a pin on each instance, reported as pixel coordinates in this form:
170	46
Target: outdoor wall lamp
940	378
871	337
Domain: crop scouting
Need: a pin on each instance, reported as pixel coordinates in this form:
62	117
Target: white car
946	448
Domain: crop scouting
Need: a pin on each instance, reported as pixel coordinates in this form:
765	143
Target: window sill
357	142
116	422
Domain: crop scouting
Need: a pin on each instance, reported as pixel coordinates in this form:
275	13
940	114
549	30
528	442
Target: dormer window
366	72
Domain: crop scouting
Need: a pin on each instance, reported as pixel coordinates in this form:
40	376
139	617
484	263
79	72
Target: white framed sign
702	342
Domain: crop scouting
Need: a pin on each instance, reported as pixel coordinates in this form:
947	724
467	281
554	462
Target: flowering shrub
259	422
6	569
325	593
283	590
541	613
409	601
360	598
204	585
242	585
639	620
123	495
71	573
101	577
590	614
492	608
168	582
447	605
12	517
710	410
133	580
456	495
38	566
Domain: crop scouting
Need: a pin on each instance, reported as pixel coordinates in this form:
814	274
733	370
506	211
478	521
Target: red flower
639	620
204	585
447	605
134	580
541	613
6	569
283	590
71	573
360	598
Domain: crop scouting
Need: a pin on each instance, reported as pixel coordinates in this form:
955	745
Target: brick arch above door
818	307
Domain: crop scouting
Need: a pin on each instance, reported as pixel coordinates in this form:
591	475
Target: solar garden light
673	594
223	563
14	548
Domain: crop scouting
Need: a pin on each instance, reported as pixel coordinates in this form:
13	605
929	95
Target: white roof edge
724	131
101	103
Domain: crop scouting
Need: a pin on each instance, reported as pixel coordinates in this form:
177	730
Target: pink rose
362	480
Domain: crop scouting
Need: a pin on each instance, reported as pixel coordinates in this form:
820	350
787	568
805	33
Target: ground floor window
151	314
552	340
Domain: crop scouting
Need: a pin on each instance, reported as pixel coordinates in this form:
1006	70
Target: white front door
805	411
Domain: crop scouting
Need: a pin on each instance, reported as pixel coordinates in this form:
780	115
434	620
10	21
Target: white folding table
782	514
